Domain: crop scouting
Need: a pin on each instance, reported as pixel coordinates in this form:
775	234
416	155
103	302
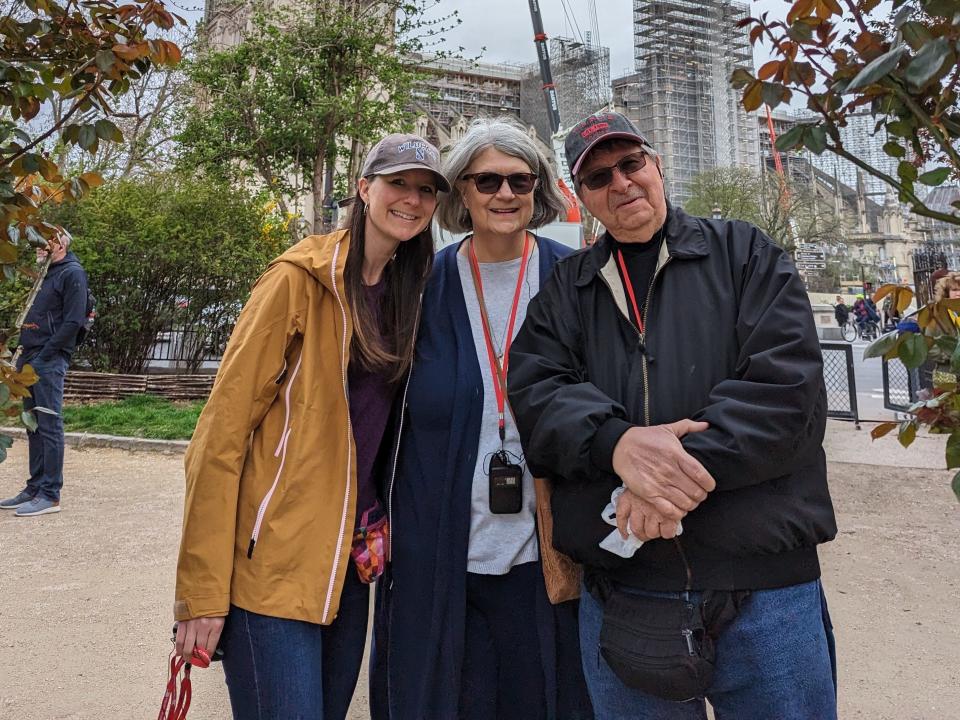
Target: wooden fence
82	386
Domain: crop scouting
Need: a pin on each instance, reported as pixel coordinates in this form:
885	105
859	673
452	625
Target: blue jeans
46	444
277	668
775	661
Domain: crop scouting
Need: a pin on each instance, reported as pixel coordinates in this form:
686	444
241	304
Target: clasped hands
663	482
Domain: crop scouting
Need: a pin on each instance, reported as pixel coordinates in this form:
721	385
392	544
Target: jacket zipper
396	447
646	418
349	436
280	452
643	339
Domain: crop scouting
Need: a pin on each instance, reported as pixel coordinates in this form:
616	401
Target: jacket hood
323	256
68	259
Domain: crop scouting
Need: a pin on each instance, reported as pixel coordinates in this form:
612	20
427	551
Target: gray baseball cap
399	152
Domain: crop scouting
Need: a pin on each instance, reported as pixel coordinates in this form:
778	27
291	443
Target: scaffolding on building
581	74
454	92
685	52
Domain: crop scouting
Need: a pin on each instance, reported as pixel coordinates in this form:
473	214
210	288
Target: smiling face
632	207
504	213
399	205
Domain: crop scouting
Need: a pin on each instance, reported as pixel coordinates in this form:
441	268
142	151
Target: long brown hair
405	275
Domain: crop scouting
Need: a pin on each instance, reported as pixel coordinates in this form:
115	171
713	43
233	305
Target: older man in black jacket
677	359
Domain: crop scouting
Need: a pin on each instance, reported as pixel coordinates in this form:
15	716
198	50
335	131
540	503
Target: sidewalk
87	593
845	444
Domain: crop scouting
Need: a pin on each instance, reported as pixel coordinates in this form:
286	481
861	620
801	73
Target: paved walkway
86	594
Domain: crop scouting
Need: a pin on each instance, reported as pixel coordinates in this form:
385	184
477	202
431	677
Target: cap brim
442	184
606	136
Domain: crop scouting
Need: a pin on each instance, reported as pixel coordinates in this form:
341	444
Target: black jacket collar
683	233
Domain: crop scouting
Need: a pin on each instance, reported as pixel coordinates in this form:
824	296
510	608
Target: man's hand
200	632
653	465
642	519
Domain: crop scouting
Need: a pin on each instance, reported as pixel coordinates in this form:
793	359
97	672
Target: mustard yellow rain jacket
270	471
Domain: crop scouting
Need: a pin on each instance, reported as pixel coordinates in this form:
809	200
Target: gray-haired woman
465	630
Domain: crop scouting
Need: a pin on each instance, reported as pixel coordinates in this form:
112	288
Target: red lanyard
629	286
499	372
176	704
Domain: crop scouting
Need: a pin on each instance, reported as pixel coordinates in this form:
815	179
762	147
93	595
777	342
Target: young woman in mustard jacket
283	524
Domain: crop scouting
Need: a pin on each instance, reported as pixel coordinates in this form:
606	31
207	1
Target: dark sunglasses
627	165
489	183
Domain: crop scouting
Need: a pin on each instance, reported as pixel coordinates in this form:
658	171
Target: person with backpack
48	338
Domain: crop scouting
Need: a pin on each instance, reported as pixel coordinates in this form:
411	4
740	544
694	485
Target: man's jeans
775	661
46	444
278	668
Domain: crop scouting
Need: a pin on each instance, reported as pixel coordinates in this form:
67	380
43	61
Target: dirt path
85	595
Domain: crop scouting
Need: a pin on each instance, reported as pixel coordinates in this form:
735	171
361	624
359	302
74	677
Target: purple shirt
371	395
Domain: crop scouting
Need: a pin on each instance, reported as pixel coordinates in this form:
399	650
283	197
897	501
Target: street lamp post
717	213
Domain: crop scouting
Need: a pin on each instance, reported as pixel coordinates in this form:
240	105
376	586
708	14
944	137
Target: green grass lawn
145	416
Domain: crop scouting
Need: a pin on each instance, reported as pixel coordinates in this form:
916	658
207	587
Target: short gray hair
504	135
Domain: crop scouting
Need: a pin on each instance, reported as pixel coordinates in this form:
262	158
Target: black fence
840	381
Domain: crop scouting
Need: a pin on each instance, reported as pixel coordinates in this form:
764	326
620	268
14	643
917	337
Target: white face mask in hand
614	542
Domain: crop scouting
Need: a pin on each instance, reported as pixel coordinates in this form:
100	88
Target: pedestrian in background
48	338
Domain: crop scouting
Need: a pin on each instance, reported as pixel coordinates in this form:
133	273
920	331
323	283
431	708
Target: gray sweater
498	542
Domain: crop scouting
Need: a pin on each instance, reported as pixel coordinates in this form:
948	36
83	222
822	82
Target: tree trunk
318	190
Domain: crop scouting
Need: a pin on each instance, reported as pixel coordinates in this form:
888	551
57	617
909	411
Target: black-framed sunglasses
489	183
627	165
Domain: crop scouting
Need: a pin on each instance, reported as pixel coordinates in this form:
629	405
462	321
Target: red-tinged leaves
92	179
833	6
801	8
755	34
883	429
753	96
867	43
769	69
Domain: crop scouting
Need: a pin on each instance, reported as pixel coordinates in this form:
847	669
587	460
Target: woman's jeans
775	661
296	670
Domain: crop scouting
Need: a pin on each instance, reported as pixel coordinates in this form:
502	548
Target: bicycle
848	331
852	330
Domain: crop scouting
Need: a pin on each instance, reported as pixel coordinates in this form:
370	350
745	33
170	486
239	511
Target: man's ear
656	161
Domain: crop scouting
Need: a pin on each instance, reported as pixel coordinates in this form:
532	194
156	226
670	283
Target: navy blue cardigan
421	602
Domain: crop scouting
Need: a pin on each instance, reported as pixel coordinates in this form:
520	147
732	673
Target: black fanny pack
663	646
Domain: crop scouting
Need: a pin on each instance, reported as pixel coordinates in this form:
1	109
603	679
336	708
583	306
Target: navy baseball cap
399	152
595	129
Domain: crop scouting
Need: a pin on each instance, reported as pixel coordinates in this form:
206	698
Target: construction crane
550	96
543	55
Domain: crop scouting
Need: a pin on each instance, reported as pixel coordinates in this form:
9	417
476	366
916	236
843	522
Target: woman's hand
199	632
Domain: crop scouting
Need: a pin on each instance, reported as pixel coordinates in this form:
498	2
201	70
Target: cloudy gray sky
504	27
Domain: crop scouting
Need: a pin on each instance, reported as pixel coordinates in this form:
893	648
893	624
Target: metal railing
900	385
840	381
189	347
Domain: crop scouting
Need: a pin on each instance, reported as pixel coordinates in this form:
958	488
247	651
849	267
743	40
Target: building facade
680	96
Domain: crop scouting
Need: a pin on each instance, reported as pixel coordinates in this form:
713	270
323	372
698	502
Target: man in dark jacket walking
703	430
48	338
